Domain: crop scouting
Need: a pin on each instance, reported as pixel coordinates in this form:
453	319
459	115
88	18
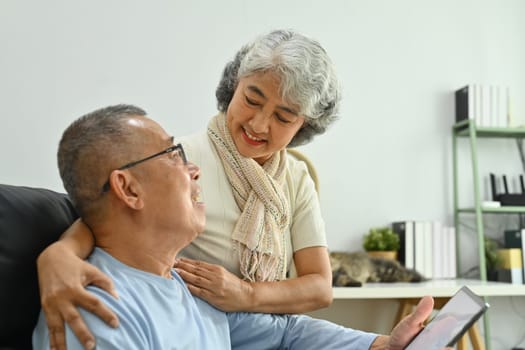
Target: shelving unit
468	129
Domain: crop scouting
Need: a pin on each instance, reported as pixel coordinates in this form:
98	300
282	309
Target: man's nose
194	170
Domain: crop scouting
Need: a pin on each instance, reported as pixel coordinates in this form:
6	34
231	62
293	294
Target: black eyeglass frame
170	149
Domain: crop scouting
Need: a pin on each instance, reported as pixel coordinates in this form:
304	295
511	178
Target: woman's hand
310	290
62	277
215	284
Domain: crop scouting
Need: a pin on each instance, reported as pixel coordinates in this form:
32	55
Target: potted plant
382	241
492	258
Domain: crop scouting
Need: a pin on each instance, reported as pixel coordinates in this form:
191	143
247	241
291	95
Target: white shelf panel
435	288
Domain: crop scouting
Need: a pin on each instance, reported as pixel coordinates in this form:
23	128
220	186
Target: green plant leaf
382	238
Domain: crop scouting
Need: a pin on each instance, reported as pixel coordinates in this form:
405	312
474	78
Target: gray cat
353	269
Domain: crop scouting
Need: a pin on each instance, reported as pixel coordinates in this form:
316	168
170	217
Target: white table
435	288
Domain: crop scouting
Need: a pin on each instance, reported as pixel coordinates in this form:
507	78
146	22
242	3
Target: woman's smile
252	140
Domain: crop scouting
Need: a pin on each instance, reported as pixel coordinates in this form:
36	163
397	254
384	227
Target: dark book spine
512	239
400	229
462	105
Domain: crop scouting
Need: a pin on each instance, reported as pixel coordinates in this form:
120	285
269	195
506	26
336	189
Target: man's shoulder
128	335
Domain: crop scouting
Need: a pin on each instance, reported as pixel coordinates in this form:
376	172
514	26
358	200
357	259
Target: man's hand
214	284
407	329
62	277
411	325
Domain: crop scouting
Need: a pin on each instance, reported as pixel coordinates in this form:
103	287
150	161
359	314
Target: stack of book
487	105
512	269
427	247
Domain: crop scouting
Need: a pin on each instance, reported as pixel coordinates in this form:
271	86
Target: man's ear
126	188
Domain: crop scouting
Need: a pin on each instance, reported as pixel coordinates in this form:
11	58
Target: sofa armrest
30	219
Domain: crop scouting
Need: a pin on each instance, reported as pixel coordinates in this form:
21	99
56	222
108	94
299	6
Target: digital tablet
451	322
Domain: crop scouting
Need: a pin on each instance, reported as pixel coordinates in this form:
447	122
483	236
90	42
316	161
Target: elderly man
138	194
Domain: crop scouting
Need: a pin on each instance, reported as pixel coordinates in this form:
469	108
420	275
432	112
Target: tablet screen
451	322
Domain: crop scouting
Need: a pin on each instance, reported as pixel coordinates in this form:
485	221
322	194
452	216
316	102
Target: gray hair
90	148
306	72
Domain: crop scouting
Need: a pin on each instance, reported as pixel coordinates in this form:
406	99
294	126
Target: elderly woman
264	247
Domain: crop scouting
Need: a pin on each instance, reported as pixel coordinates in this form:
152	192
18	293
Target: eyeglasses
177	149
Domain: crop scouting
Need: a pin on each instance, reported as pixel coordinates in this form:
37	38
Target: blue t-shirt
154	313
159	313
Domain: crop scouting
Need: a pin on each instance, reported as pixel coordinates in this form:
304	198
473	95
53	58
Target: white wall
387	159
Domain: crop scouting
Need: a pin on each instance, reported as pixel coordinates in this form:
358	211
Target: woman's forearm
311	290
297	295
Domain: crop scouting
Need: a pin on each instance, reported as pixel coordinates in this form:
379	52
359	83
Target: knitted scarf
258	236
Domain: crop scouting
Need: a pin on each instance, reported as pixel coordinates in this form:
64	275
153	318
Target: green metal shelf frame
464	129
468	129
498	210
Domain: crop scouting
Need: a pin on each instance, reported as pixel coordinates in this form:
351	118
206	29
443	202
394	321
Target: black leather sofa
30	219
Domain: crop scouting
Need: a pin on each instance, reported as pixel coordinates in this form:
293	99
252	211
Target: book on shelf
419	247
487	105
438	266
428	250
450	241
464	103
405	231
428	247
511	268
484	118
516	239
